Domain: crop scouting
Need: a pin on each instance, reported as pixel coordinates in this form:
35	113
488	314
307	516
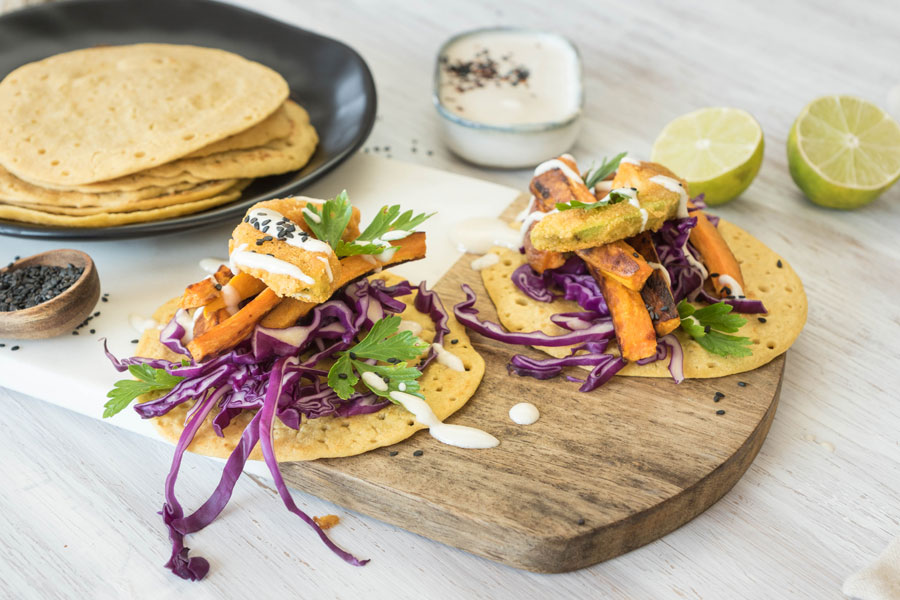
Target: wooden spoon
62	313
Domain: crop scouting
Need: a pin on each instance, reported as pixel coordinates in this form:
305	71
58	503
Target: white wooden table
78	498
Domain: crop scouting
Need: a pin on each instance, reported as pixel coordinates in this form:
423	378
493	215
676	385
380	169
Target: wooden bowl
60	314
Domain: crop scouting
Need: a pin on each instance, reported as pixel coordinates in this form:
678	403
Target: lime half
843	152
718	151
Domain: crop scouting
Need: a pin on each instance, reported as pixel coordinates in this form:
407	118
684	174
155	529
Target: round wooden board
598	475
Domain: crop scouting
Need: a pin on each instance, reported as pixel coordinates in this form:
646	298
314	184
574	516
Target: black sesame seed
134	341
218	286
104	299
707	329
393	360
106	294
418	453
713	274
664	308
727	290
393	453
93	331
430	153
266	222
761	319
2	345
778	264
14	348
718	396
74	333
353	355
259	242
580	521
97	314
342	376
742	383
454	341
720	412
635	254
246	219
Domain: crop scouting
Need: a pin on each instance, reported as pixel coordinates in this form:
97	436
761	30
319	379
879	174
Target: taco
622	273
300	348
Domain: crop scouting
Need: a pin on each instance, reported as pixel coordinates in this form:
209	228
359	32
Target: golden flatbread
100	113
109	219
445	390
780	290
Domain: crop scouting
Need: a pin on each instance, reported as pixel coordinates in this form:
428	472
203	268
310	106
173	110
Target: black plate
328	78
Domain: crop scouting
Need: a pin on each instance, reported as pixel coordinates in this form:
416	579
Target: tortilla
445	390
99	113
76	203
274	127
108	219
780	290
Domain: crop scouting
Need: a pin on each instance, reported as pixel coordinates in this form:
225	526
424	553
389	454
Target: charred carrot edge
619	261
541	260
205	291
657	291
289	310
233	329
634	329
715	252
209	320
553	186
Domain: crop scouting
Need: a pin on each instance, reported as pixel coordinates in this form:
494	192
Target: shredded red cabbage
265	374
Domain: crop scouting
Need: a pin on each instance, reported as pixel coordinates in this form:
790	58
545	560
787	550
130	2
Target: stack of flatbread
123	134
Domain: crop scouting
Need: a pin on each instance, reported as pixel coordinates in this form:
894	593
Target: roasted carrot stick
619	261
716	255
243	286
541	260
634	330
289	310
235	328
657	291
554	186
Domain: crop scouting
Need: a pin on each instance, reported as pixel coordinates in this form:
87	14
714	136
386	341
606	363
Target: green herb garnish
711	324
334	215
614	197
385	344
594	176
126	390
388	219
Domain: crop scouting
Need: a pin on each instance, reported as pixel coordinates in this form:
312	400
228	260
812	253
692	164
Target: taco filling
620	269
299	348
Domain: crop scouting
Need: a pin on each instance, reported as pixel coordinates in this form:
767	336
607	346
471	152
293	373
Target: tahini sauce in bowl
508	97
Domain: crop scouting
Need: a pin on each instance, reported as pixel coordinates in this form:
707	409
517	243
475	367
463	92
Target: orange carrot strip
235	328
716	254
657	291
619	261
634	330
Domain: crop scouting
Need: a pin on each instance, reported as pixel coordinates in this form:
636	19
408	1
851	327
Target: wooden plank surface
820	501
598	475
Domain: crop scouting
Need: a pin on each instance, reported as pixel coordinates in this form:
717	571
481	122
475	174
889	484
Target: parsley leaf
594	176
126	390
710	325
388	219
333	217
382	343
614	197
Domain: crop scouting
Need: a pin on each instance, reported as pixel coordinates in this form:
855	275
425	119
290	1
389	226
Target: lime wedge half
843	152
718	151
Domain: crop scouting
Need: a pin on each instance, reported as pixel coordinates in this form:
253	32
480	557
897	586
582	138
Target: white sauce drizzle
603	187
231	297
410	326
527	210
401	386
659	267
308	214
480	235
327	264
630	161
369	259
532	218
387	255
555	163
674	186
374	381
694	262
460	436
141	324
187	322
396	234
483	262
447	358
732	284
524	413
211	265
311	244
243	258
633	200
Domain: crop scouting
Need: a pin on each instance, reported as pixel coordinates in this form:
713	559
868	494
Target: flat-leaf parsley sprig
126	390
710	325
386	344
389	224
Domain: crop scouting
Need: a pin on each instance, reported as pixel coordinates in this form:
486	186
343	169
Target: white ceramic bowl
508	146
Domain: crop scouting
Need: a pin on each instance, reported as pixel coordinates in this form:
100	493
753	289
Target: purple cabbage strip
266	421
668	345
468	316
179	563
428	302
531	284
747	306
123	364
171	335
